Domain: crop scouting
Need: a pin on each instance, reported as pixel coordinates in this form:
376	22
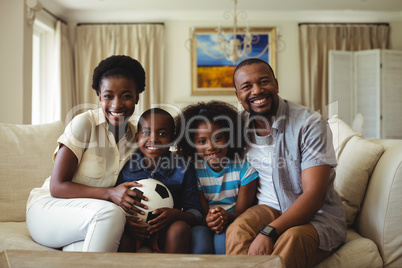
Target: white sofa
369	180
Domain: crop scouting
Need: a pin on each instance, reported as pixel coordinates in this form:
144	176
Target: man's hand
262	245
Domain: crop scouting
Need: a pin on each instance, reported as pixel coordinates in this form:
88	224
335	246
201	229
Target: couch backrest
380	218
25	162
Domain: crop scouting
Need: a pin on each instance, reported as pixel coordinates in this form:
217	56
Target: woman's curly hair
119	65
221	113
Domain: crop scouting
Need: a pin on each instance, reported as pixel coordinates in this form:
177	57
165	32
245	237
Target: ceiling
147	5
63	8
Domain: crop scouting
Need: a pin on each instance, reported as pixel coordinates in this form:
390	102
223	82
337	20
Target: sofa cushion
357	252
341	134
357	158
355	165
15	235
25	163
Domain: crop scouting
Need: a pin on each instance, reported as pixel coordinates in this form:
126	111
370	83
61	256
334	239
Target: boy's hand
135	229
127	199
166	217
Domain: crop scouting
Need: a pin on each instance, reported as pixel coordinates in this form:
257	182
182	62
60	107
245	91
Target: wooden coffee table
43	259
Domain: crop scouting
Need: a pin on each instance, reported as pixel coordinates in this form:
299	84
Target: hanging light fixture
233	44
234	49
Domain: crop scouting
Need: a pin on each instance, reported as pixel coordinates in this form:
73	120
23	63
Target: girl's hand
213	218
217	219
128	199
166	217
135	229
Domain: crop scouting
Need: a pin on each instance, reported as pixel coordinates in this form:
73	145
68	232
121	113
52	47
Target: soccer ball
158	196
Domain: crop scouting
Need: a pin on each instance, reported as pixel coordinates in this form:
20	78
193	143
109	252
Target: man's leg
298	246
241	232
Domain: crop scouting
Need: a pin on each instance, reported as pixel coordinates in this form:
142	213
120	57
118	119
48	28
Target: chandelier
233	44
235	48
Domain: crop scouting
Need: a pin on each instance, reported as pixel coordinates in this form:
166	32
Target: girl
211	137
77	208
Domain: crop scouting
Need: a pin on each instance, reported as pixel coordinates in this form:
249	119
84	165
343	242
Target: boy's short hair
160	112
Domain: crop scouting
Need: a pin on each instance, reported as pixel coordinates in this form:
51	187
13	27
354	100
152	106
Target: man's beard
270	112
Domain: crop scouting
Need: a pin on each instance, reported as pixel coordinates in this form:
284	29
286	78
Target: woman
77	208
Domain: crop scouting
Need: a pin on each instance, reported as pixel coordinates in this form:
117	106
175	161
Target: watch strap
272	233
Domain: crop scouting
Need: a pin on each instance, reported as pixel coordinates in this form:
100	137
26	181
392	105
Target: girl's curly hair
225	115
119	65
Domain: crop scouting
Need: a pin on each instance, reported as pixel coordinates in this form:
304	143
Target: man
299	215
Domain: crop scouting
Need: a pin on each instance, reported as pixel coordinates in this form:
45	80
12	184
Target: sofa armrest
380	217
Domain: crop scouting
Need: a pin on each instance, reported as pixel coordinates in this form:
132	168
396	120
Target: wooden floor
43	259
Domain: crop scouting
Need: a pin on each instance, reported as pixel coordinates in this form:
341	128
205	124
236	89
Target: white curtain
315	41
55	96
64	71
143	42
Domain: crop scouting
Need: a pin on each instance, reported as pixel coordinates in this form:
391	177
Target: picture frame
212	73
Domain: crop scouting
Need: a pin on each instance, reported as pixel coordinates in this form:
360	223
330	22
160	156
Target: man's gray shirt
303	139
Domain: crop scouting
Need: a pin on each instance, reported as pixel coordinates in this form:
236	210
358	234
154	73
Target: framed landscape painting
212	73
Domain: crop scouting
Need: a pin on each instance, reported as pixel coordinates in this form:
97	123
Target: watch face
267	229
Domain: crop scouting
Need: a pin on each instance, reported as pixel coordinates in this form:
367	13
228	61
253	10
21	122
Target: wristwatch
270	232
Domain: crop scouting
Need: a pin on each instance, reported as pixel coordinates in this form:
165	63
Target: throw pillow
355	165
341	134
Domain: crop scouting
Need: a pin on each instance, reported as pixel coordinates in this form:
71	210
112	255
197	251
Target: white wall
396	35
16	52
15	64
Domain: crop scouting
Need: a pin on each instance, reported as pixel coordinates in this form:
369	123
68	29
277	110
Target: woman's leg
202	240
56	223
219	243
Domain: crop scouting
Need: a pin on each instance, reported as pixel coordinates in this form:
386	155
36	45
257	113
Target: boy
168	232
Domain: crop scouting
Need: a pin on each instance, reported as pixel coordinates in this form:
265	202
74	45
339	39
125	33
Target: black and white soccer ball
158	196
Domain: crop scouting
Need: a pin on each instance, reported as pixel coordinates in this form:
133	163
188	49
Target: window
45	103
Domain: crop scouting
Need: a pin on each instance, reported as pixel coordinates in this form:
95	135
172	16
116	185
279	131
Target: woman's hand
135	229
127	199
166	217
217	219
